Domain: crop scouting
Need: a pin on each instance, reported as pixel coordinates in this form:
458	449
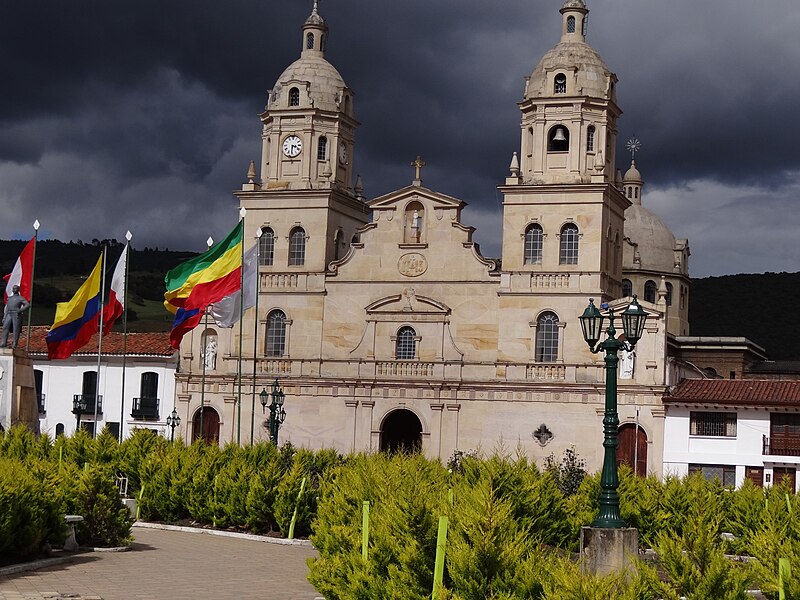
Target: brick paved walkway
173	565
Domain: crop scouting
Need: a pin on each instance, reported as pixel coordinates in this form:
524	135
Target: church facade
385	325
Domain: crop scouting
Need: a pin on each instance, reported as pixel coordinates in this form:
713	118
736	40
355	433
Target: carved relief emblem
412	264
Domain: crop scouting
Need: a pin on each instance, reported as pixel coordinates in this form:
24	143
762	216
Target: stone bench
71	544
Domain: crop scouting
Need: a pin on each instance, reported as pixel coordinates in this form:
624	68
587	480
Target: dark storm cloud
143	115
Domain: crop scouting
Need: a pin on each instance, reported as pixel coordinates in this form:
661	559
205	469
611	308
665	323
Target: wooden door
755	474
210	432
632	447
778	473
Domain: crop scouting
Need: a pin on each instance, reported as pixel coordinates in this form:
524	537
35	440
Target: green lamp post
277	414
633	320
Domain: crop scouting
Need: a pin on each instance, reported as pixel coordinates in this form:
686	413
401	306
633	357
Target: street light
78	408
173	420
633	320
277	415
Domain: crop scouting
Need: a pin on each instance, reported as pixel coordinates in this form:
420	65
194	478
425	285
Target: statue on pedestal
12	316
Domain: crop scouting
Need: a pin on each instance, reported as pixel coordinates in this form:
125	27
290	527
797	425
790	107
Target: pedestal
17	390
605	551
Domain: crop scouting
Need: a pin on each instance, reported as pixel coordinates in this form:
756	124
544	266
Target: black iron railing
86	404
145	408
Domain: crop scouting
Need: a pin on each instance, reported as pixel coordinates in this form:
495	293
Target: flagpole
259	233
203	349
242	213
128	236
99	341
33	272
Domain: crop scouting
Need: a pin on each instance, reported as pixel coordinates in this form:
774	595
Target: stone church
386	326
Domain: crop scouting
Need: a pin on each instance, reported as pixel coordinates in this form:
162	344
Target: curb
232	534
36	564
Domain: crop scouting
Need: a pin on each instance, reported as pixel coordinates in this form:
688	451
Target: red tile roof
738	392
138	344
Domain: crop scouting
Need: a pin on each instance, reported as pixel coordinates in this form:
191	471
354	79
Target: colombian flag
77	320
203	280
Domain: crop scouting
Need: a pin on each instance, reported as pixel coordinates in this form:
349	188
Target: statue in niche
210	352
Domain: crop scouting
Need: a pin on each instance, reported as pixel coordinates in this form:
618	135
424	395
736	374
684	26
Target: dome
592	73
656	243
573	4
632	175
325	85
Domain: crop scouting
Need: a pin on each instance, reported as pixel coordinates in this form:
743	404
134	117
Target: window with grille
149	385
294	97
276	333
266	247
669	294
310	41
560	84
650	290
568	254
570	24
725	473
547	337
297	246
627	287
533	244
714	424
590	138
406	344
322	148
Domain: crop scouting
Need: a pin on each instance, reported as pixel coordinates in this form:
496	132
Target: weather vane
633	145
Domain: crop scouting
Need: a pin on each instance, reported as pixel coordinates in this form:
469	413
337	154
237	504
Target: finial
418	164
633	145
210	241
359	189
251	172
514	165
36	225
314	10
129	236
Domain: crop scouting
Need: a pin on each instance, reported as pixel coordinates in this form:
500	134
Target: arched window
38	380
650	289
266	247
627	288
322	148
560	84
547	337
558	139
297	247
635	192
590	138
568	254
310	41
669	294
276	333
294	97
322	42
570	24
533	244
149	385
356	239
628	192
406	345
59	429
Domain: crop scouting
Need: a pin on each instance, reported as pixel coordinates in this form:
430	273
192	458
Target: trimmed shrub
105	519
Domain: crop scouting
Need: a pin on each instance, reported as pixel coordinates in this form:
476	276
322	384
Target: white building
149	380
733	429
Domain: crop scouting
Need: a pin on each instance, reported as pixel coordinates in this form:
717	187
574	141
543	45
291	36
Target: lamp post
633	320
173	420
78	408
277	415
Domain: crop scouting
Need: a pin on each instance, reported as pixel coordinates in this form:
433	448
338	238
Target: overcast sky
143	115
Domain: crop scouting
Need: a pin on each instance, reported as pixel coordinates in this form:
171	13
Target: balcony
145	408
40	403
86	402
781	446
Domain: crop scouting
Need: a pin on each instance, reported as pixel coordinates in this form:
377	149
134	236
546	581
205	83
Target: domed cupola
632	184
569	110
309	127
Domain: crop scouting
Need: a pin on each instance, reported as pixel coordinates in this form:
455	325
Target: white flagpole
203	350
128	237
242	213
259	233
99	341
33	272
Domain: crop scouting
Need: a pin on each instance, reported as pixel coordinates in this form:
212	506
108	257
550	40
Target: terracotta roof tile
740	392
138	344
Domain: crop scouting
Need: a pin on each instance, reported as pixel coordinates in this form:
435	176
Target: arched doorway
210	431
632	448
401	432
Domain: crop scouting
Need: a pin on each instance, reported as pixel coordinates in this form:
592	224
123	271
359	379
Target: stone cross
417	164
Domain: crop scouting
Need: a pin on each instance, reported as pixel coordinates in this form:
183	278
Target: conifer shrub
231	486
18	443
105	448
163	495
200	493
105	519
132	453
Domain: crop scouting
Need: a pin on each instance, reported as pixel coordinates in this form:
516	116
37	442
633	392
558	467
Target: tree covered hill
756	306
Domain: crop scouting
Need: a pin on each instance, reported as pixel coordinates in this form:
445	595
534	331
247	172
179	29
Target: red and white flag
22	274
116	297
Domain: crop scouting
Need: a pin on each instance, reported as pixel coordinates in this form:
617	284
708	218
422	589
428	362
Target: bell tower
308	134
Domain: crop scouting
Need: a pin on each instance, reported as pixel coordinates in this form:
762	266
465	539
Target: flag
227	311
203	280
116	296
76	321
22	273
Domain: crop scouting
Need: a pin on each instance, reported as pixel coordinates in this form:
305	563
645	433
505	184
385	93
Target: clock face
342	153
292	146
